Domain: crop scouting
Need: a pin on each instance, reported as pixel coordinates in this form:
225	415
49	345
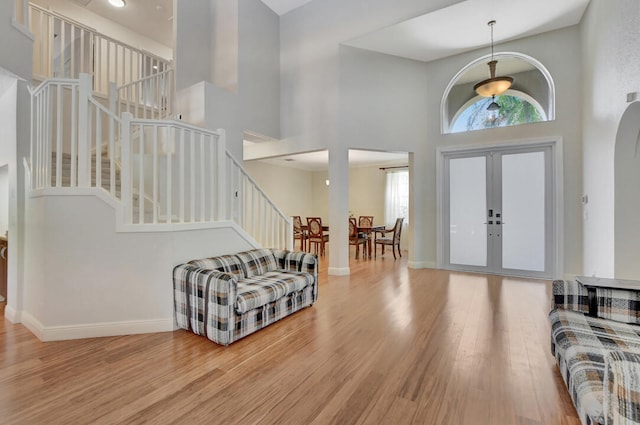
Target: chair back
314	226
353	229
297	224
397	230
365	221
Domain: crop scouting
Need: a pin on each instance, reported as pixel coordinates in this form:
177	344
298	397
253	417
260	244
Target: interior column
339	211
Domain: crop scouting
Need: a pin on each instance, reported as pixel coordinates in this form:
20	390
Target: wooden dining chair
393	240
298	233
316	235
365	221
356	238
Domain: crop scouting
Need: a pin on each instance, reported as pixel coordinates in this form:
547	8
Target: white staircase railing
177	166
150	97
64	48
53	132
250	207
164	172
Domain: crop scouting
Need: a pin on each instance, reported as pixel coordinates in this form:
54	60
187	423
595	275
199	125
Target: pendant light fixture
117	3
493	86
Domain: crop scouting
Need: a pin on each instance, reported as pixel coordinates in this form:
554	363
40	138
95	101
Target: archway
533	82
627	195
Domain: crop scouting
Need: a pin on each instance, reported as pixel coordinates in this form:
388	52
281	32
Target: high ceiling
463	27
459	28
284	6
151	18
445	32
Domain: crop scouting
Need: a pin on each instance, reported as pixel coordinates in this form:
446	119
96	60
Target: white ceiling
284	6
319	160
151	18
463	27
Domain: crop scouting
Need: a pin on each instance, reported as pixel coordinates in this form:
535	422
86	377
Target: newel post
125	162
221	175
84	150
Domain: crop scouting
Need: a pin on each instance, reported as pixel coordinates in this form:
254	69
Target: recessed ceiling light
117	3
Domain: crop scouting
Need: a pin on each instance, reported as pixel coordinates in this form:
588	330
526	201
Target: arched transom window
531	98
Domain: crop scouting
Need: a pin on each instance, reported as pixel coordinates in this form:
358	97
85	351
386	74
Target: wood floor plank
385	345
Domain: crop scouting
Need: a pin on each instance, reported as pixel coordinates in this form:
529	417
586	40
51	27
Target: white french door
498	214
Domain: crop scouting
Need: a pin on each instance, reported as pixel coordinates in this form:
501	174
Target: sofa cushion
224	263
260	290
257	262
619	304
581	344
622	400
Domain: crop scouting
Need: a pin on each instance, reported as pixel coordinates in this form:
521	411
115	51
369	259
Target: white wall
114	282
336	96
611	61
557	52
289	188
4	199
255	104
305	193
15	49
627	195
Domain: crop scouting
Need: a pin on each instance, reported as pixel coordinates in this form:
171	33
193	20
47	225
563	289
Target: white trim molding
12	315
339	271
422	265
95	330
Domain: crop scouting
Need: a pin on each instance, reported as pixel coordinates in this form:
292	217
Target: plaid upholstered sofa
228	297
598	352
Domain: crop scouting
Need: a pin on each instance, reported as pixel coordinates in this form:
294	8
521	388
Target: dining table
368	230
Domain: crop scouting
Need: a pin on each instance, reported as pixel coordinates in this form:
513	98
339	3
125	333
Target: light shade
117	3
493	86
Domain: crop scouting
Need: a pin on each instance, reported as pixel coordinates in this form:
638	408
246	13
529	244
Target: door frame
555	144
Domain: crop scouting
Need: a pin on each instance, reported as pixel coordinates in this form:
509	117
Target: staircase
65	174
163	173
118	193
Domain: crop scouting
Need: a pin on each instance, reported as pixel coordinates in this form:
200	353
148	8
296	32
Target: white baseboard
339	271
422	265
12	314
96	330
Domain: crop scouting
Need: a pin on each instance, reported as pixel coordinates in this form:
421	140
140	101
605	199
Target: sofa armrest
204	301
298	261
570	295
622	388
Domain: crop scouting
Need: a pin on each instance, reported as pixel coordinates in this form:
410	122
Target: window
530	99
514	110
396	202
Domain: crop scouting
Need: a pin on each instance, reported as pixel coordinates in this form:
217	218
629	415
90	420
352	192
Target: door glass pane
467	211
523	211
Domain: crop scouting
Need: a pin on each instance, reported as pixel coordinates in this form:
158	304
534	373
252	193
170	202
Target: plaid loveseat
228	297
598	353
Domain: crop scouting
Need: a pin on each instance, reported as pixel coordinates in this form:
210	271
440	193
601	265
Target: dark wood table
367	230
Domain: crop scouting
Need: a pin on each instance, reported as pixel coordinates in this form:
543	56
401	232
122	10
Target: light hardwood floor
386	345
